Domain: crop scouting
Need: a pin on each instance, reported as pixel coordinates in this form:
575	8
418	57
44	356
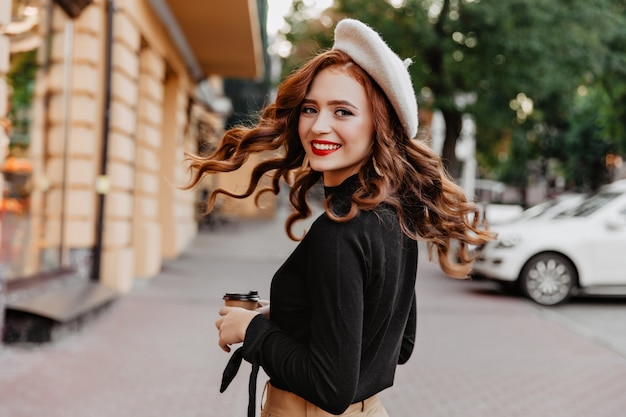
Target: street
600	319
479	353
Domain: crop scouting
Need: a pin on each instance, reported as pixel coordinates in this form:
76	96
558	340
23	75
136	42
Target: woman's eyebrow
332	103
342	103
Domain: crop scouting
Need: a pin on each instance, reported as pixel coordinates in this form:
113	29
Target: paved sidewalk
154	354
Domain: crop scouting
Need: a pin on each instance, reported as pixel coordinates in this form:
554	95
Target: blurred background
525	100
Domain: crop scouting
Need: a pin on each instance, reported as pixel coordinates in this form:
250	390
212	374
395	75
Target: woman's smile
322	147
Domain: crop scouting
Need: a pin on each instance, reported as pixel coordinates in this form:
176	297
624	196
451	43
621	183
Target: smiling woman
342	307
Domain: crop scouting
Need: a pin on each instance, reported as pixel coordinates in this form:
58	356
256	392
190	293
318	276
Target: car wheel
548	279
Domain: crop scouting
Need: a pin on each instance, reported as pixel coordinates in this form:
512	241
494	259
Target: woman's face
336	125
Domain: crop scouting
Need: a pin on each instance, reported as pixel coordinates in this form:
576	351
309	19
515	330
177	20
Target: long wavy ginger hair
430	206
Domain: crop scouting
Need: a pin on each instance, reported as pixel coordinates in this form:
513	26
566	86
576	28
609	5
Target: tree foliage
523	60
21	78
588	144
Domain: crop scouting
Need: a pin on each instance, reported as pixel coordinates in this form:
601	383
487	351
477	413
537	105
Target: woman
342	307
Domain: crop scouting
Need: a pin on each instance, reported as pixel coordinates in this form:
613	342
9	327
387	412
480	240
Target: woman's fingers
224	346
220	341
232	325
265	310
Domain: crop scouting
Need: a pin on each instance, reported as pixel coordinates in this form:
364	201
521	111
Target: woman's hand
264	308
232	325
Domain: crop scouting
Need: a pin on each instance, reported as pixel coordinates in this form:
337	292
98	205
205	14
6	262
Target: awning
219	37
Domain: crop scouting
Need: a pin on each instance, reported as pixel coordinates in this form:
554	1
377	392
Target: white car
582	251
551	208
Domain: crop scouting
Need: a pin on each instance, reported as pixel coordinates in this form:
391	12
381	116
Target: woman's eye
308	110
343	112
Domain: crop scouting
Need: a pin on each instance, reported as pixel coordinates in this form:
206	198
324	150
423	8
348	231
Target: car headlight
508	241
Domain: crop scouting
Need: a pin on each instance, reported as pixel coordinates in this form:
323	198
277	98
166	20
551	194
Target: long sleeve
326	371
408	338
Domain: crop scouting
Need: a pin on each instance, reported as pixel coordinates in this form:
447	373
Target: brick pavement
154	354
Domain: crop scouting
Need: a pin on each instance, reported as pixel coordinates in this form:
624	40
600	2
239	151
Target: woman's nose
322	123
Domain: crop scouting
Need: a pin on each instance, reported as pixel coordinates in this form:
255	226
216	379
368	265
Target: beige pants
281	403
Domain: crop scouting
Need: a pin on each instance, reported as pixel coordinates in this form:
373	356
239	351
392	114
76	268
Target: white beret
371	53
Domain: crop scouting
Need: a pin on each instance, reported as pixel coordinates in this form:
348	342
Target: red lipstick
322	147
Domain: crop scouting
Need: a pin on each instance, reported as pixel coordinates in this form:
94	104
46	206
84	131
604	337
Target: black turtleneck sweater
342	308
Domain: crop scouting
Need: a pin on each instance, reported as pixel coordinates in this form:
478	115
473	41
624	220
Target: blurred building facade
120	90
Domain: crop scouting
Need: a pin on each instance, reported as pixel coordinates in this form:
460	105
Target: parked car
551	208
501	213
580	251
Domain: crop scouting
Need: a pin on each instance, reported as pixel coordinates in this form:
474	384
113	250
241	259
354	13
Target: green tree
516	170
587	144
612	83
21	78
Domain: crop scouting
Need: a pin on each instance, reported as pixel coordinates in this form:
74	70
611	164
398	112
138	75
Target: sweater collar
341	195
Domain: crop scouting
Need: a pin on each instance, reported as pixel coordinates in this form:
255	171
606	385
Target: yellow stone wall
147	218
65	134
151	125
146	226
